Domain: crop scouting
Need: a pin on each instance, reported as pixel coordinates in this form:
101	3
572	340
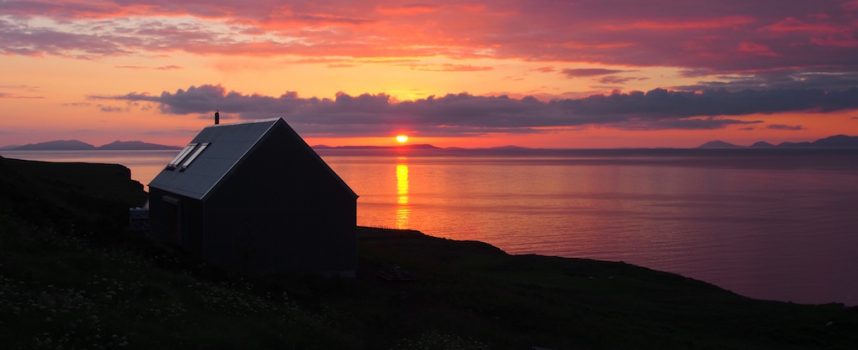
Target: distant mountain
762	144
135	146
837	141
58	145
831	142
76	145
717	144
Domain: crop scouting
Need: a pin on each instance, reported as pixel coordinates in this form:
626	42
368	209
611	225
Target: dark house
255	198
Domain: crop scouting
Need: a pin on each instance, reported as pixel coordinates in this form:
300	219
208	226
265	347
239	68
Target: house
255	198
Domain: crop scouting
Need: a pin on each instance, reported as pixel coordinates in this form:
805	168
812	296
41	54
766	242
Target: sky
577	73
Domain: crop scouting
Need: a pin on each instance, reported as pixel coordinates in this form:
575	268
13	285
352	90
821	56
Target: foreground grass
64	283
62	292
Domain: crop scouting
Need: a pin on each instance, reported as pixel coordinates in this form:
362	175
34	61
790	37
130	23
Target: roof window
196	153
184	153
187	156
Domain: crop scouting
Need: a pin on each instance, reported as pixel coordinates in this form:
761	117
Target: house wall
179	223
281	211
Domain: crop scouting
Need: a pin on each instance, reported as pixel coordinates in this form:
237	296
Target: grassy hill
71	278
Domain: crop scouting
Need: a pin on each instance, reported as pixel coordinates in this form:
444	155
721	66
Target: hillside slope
413	291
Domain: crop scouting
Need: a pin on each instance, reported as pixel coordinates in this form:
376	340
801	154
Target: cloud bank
466	114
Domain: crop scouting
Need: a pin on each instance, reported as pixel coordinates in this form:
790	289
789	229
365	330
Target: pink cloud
836	42
589	72
16	96
546	69
755	49
791	24
724	36
449	67
164	67
411	9
672	25
785	127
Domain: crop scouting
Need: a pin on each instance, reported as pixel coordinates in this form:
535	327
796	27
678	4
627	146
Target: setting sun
705	145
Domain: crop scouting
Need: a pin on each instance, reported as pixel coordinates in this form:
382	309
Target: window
194	155
184	153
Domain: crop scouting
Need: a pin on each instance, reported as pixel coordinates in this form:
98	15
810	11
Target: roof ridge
242	157
177	182
318	158
231	147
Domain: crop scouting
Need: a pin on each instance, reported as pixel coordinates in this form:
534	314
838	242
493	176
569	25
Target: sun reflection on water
402	209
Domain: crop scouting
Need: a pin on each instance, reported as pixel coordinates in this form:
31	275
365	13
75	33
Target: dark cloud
17	96
465	114
19	87
546	69
77	104
785	127
820	78
19	91
589	72
613	79
164	67
111	109
448	67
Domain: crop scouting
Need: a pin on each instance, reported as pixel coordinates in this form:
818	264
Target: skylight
194	155
185	151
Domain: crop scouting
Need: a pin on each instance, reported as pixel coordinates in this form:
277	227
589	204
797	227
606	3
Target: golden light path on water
403	211
736	224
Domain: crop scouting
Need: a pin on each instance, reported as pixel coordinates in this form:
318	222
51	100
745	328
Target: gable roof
228	145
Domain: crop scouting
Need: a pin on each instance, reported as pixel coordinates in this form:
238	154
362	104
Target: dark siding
280	210
161	216
178	223
192	236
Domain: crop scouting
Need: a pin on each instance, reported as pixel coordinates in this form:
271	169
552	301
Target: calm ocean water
772	225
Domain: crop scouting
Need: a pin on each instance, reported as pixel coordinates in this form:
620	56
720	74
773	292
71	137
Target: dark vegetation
70	277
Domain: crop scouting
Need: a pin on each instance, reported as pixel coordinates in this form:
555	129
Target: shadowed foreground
70	278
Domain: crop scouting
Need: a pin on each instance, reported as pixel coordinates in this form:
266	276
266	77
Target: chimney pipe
217	117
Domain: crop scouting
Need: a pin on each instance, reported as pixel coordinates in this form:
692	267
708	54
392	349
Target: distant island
831	142
77	145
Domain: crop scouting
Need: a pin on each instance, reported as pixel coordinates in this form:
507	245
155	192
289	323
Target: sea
768	224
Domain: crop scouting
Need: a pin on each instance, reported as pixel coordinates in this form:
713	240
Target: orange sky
97	72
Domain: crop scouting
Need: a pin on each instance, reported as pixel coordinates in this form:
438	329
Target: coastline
412	290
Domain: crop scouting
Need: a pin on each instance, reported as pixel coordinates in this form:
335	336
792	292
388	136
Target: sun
401	138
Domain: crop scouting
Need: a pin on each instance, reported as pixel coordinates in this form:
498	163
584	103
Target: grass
67	282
